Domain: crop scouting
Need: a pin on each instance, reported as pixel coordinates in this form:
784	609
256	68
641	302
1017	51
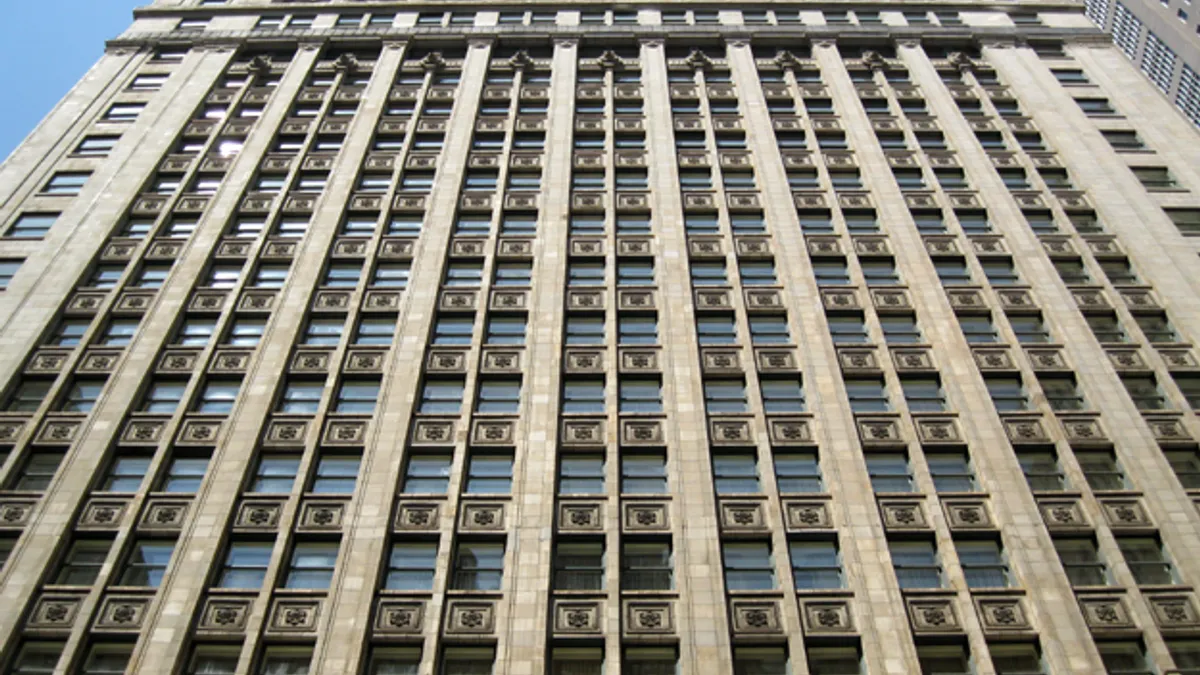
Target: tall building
1163	39
521	339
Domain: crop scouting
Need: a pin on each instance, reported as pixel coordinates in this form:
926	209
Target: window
390	275
708	274
816	564
124	112
1147	560
245	566
587	225
1186	220
1186	654
1042	470
1156	328
246	332
82	563
725	396
578	566
952	271
342	275
1062	392
217	397
65	183
467	660
1186	465
978	329
831	272
478	566
519	224
585	274
375	331
581	475
909	179
1119	272
880	272
631	273
301	397
644	473
867	395
1106	327
1029	328
716	330
951	471
748	566
82	395
736	473
1102	470
1008	393
1000	272
834	661
498	396
152	276
29	396
650	661
769	330
37	658
1124	658
275	474
1070	76
916	564
923	394
1120	140
1155	177
1144	391
184	474
357	396
637	329
146	564
647	566
411	566
576	660
324	330
311	565
513	274
38	471
465	274
890	472
107	659
285	661
900	329
1189	386
983	563
125	474
69	332
489	474
583	396
442	397
32	226
336	474
1080	559
427	474
640	395
453	331
104	276
782	395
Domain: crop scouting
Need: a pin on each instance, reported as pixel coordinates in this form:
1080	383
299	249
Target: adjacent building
1163	39
577	338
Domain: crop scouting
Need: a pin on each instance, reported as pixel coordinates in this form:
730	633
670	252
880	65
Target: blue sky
45	48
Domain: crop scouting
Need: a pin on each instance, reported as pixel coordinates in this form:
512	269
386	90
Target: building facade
374	337
1163	39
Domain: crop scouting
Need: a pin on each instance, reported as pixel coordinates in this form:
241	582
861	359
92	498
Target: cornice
154	11
933	35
